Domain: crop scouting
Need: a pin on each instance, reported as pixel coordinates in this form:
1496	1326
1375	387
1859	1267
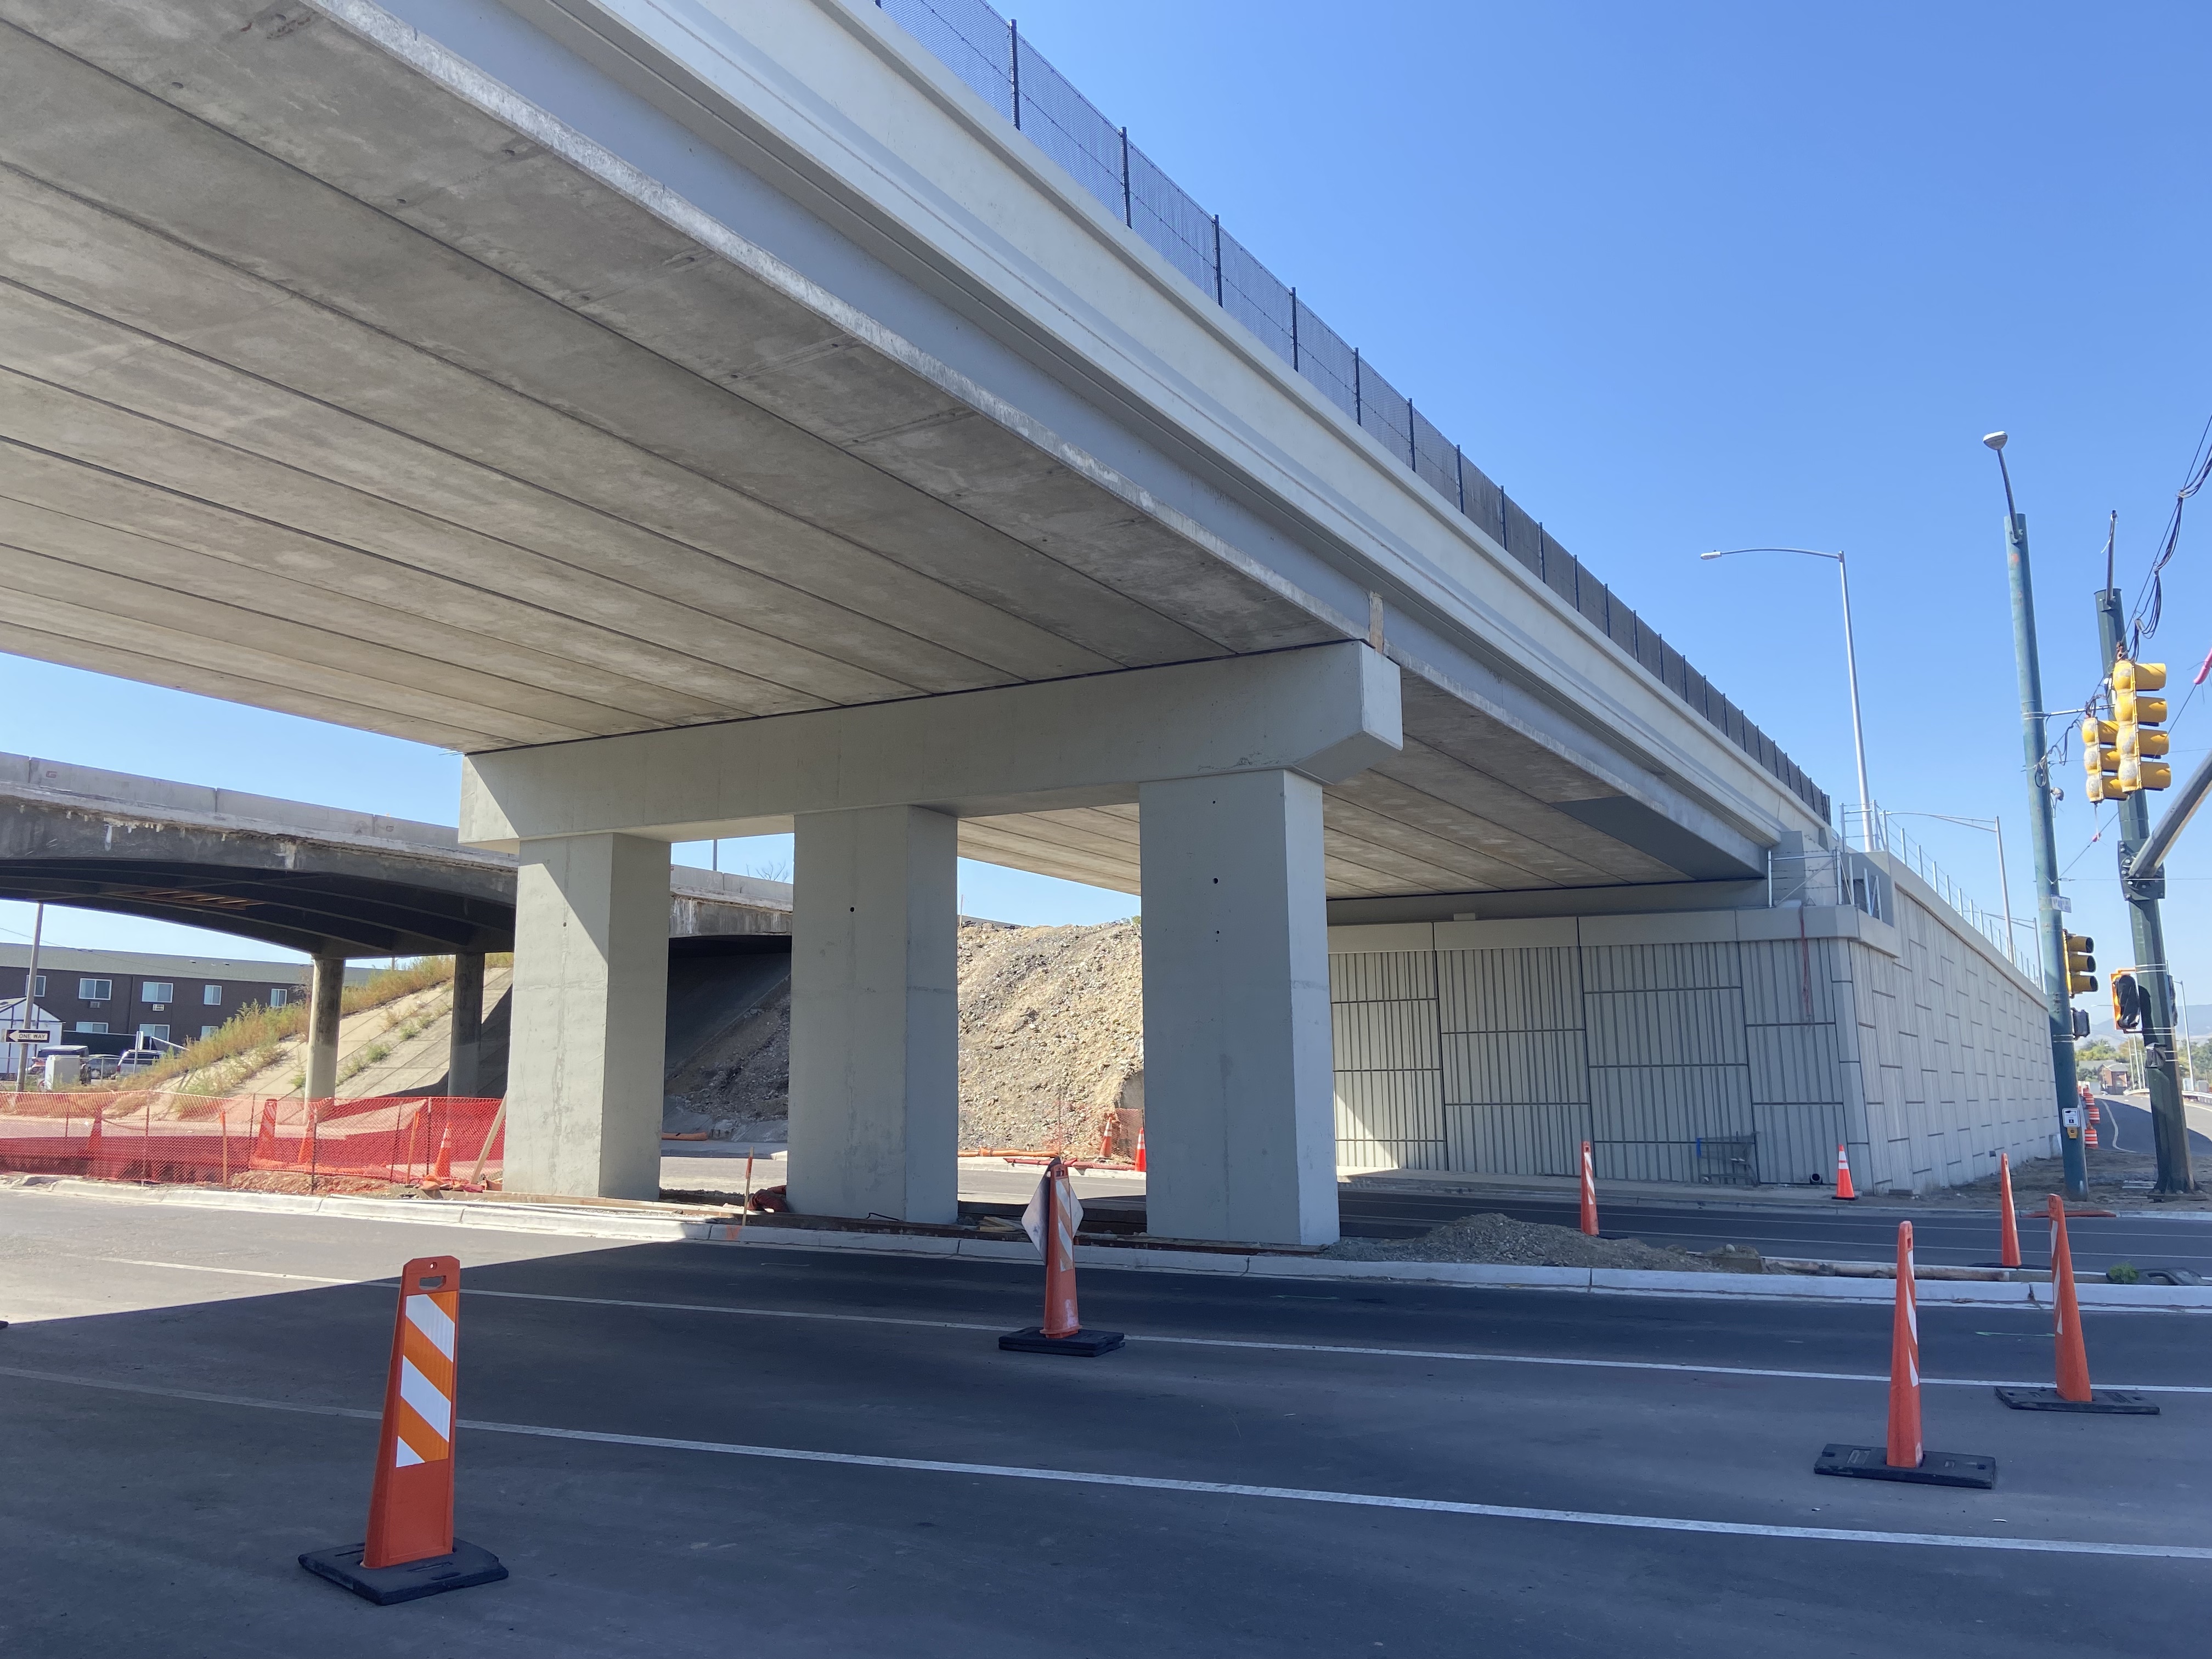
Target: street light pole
1850	667
2049	911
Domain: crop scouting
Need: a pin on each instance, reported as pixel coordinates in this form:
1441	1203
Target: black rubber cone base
1935	1468
2113	1402
410	1580
1083	1344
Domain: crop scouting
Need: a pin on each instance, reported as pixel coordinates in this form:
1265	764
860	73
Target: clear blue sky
1679	277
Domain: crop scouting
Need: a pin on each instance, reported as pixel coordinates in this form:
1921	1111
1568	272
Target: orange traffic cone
264	1142
2009	1221
2073	1393
1844	1187
92	1146
411	1551
1902	1456
441	1172
1589	1194
1052	1218
1141	1151
2089	1132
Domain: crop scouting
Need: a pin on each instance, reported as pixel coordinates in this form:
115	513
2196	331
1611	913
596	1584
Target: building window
278	996
39	989
162	1032
208	1031
95	990
163	991
96	1025
211	995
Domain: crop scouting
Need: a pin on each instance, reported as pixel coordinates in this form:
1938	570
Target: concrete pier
875	1039
1239	1116
590	997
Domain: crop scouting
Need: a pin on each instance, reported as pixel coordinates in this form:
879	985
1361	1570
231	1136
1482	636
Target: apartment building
125	994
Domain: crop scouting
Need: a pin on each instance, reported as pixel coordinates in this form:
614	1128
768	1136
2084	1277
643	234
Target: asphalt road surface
714	1450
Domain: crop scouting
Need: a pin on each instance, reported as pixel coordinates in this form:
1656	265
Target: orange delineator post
1903	1456
411	1551
1844	1187
2073	1357
1903	1449
1589	1194
2073	1393
2009	1222
1061	1331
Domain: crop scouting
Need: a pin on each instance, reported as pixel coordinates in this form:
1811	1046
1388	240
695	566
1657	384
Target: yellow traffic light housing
2136	716
2127	1002
2081	964
2101	757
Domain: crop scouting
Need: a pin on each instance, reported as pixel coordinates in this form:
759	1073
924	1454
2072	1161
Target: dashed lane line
1207	1488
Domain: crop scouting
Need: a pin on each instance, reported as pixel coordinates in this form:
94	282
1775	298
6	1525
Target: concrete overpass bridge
316	880
716	418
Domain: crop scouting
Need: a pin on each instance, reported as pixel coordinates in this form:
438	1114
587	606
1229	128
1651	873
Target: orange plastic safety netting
284	1144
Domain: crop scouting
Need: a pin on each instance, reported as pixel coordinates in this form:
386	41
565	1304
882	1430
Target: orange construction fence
158	1136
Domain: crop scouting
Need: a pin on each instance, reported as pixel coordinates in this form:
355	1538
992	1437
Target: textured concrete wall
1717	1047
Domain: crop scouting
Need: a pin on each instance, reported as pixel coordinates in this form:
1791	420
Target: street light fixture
1851	663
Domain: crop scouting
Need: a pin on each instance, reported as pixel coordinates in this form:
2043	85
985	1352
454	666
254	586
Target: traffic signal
2081	964
2100	757
2136	717
2127	1002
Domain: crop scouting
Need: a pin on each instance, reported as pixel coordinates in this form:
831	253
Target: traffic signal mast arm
2150	857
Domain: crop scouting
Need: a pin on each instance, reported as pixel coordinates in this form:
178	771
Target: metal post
1851	668
1014	58
1294	329
2169	1123
1359	408
1128	204
1220	292
30	993
2004	892
2049	918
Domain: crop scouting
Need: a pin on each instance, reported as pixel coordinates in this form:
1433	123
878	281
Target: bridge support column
1239	1094
875	1039
464	1074
590	1011
325	1008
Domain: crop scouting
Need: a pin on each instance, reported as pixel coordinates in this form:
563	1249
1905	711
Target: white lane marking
430	1405
1211	1488
1329	1347
427	1317
242	1273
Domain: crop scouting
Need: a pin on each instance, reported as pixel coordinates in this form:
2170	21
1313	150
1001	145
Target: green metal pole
2049	918
2153	977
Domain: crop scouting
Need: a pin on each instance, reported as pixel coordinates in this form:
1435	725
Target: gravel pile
1500	1239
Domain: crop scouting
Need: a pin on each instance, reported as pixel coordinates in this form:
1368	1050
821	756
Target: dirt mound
1500	1238
1052	1030
1052	1037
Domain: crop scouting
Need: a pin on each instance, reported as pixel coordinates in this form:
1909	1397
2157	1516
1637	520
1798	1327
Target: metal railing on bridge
1874	830
988	52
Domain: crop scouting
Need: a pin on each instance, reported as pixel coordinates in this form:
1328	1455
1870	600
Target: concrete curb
583	1222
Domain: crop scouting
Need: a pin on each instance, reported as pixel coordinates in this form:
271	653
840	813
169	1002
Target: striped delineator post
1051	1220
1904	1450
2007	1218
410	1551
1903	1458
2073	1393
1589	1194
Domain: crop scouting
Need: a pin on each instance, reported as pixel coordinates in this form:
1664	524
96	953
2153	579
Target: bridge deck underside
321	390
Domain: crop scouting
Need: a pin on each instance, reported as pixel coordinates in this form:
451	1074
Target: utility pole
2169	1124
2049	906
